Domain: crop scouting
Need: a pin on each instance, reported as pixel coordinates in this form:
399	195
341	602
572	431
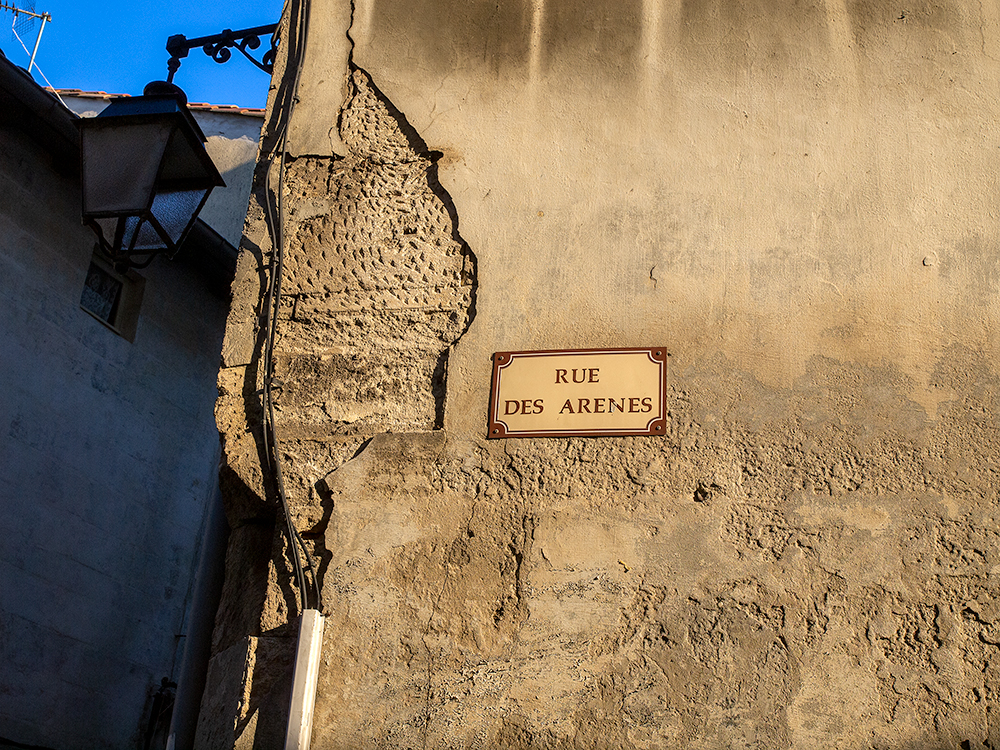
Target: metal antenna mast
6	5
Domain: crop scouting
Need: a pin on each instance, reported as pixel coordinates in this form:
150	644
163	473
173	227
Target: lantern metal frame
169	167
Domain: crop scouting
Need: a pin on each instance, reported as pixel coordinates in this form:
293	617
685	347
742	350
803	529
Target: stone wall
796	200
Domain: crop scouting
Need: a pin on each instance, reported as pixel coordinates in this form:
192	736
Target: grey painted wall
108	462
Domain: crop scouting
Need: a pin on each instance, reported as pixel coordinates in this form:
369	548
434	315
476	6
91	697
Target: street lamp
145	175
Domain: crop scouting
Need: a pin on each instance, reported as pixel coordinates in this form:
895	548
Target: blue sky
118	46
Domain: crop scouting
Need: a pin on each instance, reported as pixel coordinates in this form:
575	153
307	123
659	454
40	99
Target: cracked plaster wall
796	199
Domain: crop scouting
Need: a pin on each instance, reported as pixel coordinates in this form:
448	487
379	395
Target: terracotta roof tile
199	106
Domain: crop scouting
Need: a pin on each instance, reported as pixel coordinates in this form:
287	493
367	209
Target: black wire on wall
297	13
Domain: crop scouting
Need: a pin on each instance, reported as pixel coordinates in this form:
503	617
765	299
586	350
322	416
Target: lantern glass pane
175	209
147	240
184	162
120	166
108	228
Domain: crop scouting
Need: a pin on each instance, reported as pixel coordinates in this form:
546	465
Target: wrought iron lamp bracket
217	47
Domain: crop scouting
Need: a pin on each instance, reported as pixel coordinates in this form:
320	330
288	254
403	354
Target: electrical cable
284	103
284	106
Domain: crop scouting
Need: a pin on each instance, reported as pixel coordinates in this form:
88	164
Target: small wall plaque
584	392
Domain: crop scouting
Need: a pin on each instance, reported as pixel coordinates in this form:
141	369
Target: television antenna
24	19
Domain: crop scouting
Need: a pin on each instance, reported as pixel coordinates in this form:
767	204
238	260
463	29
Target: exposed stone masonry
377	287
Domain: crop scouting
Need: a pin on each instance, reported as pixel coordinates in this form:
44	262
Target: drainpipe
307	655
200	620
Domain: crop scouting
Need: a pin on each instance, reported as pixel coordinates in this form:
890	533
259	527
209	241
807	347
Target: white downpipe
307	654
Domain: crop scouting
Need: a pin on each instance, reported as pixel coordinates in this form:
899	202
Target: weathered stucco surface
798	201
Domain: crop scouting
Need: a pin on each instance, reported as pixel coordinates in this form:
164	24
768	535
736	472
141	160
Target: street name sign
579	392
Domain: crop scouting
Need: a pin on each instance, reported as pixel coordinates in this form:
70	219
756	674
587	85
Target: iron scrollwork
217	46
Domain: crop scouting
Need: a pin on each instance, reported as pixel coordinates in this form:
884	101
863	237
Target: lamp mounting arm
217	47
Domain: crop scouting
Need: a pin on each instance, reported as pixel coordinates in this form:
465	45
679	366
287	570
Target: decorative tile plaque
588	392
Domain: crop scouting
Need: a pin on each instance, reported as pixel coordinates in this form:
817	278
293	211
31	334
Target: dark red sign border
496	429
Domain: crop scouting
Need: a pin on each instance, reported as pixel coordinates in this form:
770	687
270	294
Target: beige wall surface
796	199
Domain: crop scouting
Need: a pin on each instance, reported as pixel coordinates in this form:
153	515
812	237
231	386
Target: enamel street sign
583	392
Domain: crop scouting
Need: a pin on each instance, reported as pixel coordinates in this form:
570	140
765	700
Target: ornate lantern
145	174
